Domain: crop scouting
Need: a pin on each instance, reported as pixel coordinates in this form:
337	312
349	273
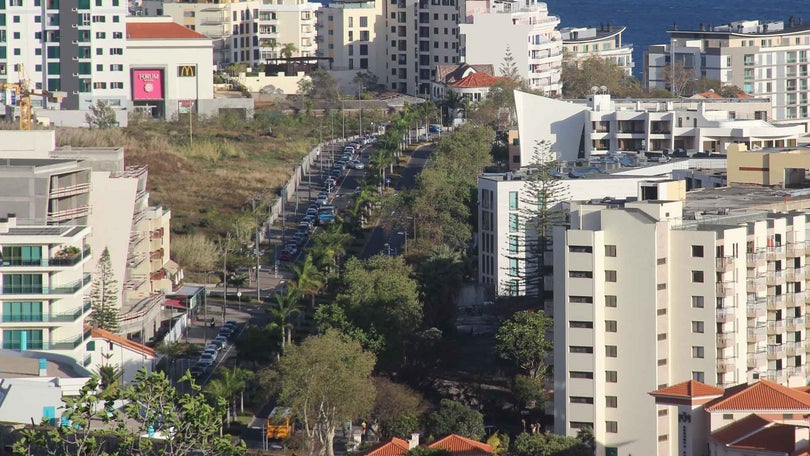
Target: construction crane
24	91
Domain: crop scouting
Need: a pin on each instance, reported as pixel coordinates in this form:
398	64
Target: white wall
545	119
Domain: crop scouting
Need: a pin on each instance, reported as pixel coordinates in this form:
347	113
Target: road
392	241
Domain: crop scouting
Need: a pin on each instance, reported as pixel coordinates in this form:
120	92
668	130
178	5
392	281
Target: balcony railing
725	364
755	359
773	278
795	323
59	317
775	302
755	285
776	326
70	344
794	348
795	274
796	249
755	259
776	351
725	289
65	260
796	298
725	340
756	308
725	315
69	288
775	252
757	334
724	264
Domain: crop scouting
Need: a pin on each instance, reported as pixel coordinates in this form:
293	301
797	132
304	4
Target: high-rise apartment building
652	292
523	28
248	32
763	59
400	42
73	47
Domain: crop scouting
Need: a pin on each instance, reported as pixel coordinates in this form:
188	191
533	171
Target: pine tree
104	295
539	210
508	67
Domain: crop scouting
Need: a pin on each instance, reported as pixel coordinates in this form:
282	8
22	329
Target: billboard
147	84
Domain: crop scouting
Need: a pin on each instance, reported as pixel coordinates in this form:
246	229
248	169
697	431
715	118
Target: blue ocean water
647	21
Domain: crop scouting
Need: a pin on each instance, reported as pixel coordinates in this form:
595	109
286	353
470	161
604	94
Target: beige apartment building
649	293
765	59
249	32
580	43
771	167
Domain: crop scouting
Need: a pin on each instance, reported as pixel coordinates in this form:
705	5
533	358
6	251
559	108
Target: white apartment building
524	28
652	292
45	284
73	47
580	43
765	59
249	32
599	125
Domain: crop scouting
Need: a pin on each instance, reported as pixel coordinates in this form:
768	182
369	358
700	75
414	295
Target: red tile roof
160	31
457	444
779	438
761	396
741	428
710	94
690	389
475	80
393	447
448	74
124	342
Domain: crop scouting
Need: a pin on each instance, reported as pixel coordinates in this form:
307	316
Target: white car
356	164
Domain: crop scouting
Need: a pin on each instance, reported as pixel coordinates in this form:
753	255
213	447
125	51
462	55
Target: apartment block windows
610	300
580	274
697	251
580	400
22	311
611	351
698	351
697	276
12	339
364	35
513	267
611	402
580	249
697	302
610	326
363	21
22	256
611	376
580	349
513	244
513	222
610	276
610	250
580	324
698	376
513	200
611	427
697	327
581	374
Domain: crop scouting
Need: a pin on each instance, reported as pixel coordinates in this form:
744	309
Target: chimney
413	442
12	220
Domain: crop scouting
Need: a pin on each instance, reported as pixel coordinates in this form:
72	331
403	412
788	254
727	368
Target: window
580	249
101	35
728	416
116	51
697	302
610	300
513	267
116	85
697	251
697	351
117	67
99	67
580	324
513	222
580	274
697	276
581	400
611	351
513	200
663	438
513	244
363	21
580	349
12	339
581	299
661	336
610	326
698	376
118	35
697	327
22	311
611	376
611	402
663	412
660	312
610	250
581	425
611	427
17	51
581	374
22	256
662	362
22	283
610	276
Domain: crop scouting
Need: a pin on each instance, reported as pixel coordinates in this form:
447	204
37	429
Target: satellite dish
594	89
603	89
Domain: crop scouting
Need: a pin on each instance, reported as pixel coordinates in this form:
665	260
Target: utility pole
258	254
225	274
343	112
360	92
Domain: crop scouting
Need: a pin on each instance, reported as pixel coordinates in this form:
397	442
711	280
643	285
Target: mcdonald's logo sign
187	71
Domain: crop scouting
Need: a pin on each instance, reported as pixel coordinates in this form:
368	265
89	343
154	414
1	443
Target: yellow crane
24	92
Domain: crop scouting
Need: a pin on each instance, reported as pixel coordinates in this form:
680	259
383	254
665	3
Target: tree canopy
453	417
545	444
397	409
579	76
326	380
104	295
522	340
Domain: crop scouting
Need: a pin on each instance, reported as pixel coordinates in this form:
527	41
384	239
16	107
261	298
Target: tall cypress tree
104	295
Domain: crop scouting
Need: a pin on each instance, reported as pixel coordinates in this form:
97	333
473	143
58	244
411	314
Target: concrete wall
22	400
74	118
545	119
765	167
214	106
287	85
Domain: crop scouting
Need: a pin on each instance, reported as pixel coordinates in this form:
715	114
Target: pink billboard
147	84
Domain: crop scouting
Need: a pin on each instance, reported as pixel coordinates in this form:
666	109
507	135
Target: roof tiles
689	389
764	396
124	342
459	445
393	447
160	31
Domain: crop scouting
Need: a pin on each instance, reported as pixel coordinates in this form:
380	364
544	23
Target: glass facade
12	339
22	311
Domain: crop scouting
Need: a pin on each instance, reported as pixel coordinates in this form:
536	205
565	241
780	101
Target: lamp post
239	297
360	107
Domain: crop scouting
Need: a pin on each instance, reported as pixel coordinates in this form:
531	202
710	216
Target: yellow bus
278	423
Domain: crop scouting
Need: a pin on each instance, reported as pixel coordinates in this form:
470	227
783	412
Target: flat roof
55	230
17	365
740	197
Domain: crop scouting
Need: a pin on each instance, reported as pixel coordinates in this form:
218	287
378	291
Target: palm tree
288	50
110	381
308	278
285	310
271	43
329	244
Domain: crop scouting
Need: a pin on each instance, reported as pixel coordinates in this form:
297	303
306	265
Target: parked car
313	211
435	128
356	164
212	352
288	253
218	344
198	371
309	219
207	358
231	324
341	164
222	339
211	346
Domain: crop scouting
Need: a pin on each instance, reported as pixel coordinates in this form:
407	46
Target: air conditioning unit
75	10
75	75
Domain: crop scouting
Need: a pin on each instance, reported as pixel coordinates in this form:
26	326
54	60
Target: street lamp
360	92
239	297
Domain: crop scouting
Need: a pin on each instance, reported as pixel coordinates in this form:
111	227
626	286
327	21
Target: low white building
599	125
580	43
126	355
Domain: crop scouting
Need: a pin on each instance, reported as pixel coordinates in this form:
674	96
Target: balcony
796	298
70	344
776	375
67	214
725	315
63	258
796	249
795	323
725	289
757	334
725	340
773	278
794	348
69	288
756	359
67	317
776	326
755	259
724	264
725	365
775	302
775	253
156	254
755	309
795	274
69	190
776	351
756	285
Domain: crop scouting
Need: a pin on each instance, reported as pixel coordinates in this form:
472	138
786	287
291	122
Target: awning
175	303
